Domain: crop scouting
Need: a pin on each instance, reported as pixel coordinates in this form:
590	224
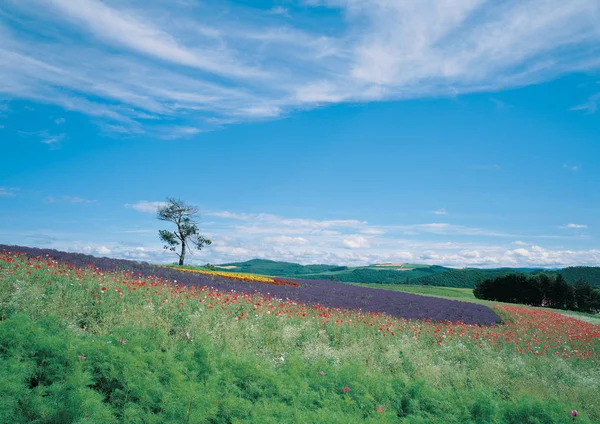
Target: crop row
242	277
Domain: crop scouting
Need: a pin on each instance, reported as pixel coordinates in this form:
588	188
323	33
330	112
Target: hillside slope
427	275
400	274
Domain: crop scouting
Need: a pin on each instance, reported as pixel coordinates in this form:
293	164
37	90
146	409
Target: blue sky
455	132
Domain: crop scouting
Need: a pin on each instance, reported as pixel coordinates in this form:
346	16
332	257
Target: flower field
326	293
137	347
242	277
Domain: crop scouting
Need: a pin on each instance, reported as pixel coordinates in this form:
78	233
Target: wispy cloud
69	199
240	236
356	242
574	226
145	206
591	106
8	191
43	136
190	67
441	211
280	10
500	105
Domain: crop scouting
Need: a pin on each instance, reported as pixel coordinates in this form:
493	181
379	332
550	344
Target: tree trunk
182	256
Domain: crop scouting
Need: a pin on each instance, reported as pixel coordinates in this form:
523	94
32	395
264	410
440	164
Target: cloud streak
175	69
146	207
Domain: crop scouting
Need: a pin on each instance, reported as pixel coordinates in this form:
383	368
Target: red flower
94	294
346	389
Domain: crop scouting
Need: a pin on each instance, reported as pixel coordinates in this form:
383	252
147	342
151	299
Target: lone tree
187	233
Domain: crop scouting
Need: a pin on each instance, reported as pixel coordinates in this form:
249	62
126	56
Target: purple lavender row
323	292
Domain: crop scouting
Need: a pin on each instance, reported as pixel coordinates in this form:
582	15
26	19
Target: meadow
82	341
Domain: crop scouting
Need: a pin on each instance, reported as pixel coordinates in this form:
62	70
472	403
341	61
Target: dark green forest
541	289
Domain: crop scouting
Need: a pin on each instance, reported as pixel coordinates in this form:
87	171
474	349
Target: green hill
467	277
385	273
589	273
425	275
281	269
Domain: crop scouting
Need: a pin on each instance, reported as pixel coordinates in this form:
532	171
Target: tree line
549	290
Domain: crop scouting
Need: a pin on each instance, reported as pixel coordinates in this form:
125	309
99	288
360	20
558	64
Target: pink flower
574	413
188	335
122	341
82	357
379	408
346	389
322	372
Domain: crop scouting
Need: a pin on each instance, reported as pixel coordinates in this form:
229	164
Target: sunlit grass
444	292
157	352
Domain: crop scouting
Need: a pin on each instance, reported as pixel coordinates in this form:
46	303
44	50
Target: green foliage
281	269
591	274
446	292
422	275
66	356
540	289
467	278
367	275
187	232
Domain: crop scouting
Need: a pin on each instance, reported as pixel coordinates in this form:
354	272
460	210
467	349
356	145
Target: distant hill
385	273
467	277
427	275
282	269
589	273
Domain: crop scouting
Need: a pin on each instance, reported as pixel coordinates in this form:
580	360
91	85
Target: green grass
445	292
68	356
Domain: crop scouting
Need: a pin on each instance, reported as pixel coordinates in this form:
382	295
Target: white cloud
146	207
77	200
356	242
8	191
69	199
264	222
123	29
286	240
343	248
60	121
591	106
44	136
103	250
280	10
372	231
575	226
135	66
53	139
441	211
